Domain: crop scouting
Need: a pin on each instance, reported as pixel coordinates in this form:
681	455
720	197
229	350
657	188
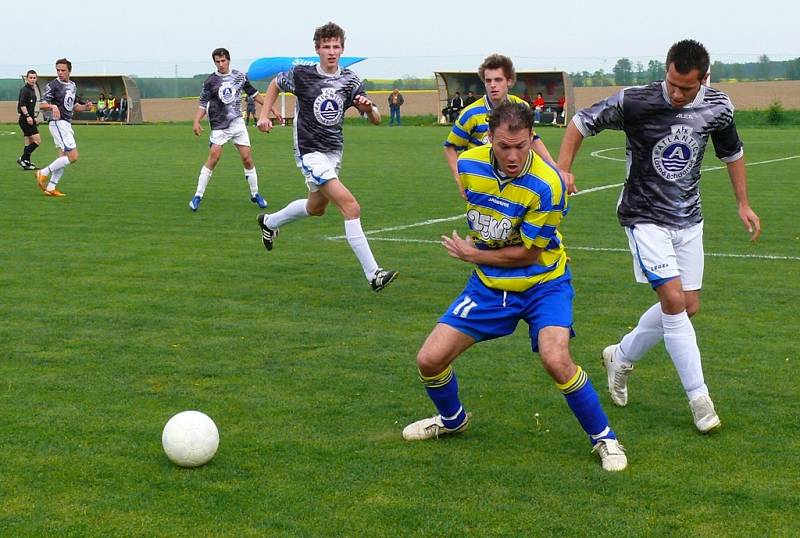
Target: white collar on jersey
324	74
698	99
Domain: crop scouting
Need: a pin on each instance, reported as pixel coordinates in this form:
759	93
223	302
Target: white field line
373	233
600	249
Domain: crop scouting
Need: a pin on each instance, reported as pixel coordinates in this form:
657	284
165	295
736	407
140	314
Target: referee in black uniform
26	106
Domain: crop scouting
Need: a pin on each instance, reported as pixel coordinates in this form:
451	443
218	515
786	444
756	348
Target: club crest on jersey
69	100
675	154
226	93
328	107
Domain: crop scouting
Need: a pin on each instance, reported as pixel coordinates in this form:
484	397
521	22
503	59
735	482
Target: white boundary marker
7	133
597	154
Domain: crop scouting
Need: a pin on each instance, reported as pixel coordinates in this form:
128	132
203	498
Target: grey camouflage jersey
664	149
222	97
63	95
321	100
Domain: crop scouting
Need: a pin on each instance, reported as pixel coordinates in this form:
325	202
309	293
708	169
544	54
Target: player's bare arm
541	150
365	106
264	123
569	148
28	117
451	155
196	127
511	256
738	175
82	107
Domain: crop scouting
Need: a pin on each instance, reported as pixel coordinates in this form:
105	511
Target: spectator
395	102
456	104
559	110
469	99
251	110
101	106
111	108
123	108
538	106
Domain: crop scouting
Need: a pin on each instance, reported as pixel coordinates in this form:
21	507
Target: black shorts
27	129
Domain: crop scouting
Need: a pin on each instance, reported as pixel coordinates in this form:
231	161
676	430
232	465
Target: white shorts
662	253
63	135
318	168
236	132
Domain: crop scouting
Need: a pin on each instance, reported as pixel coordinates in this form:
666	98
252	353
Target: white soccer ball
190	439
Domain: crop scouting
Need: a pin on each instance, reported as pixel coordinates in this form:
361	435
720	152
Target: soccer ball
190	439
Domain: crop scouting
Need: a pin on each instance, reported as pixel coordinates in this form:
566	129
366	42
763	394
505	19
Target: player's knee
558	363
351	210
429	364
315	210
72	156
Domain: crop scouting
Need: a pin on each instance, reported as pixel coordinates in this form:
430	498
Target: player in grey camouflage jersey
667	125
323	92
221	99
60	99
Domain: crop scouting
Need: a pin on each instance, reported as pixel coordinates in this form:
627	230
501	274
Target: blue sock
585	404
442	388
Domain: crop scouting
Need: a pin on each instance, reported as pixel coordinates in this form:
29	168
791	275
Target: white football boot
705	418
612	454
617	373
428	428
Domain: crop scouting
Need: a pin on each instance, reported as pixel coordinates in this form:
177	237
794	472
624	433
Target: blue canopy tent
264	68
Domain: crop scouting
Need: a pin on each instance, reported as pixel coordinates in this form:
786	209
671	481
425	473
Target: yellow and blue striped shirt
471	129
525	210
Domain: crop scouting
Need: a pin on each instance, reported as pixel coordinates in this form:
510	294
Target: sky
401	38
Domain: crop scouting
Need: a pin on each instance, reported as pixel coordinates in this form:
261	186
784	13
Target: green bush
775	113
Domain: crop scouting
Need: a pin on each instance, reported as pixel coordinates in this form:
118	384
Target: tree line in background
624	73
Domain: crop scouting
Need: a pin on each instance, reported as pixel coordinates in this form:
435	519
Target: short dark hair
31	72
64	61
514	115
687	55
220	52
498	61
328	31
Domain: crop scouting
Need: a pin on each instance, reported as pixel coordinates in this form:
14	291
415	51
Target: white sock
56	165
55	178
202	181
681	343
295	210
644	336
252	179
358	242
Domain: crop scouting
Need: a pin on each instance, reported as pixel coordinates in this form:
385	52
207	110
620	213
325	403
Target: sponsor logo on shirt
675	154
488	227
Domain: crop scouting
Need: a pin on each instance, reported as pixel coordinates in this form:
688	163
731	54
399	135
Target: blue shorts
485	313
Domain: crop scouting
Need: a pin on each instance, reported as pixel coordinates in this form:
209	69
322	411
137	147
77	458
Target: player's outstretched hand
197	129
458	247
569	181
264	125
751	222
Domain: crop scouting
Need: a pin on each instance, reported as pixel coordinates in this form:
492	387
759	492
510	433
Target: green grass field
120	307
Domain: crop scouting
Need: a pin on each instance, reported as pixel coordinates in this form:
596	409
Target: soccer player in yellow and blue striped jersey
471	128
515	202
